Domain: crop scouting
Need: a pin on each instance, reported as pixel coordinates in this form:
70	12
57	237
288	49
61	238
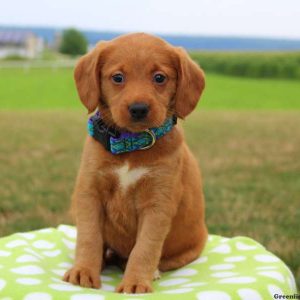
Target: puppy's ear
87	77
191	82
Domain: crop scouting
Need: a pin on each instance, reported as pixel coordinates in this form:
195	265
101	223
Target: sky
249	18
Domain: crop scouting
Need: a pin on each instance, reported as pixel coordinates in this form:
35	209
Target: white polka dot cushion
32	265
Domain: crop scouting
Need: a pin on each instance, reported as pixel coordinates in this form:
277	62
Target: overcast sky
262	18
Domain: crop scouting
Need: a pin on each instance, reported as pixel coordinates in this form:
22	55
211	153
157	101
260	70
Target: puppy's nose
138	111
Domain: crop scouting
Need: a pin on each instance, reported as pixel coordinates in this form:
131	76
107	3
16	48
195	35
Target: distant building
20	43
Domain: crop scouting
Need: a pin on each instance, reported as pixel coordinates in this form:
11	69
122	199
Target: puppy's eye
159	78
118	78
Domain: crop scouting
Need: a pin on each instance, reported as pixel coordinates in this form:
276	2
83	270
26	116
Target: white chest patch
128	177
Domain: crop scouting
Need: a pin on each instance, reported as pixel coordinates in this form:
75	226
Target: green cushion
32	265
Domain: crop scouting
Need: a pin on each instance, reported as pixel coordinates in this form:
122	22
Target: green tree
73	42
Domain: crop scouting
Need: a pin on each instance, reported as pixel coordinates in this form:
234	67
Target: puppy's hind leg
181	259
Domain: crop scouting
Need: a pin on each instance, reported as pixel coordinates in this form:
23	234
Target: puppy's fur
147	206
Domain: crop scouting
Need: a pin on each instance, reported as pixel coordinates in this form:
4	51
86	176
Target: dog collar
119	142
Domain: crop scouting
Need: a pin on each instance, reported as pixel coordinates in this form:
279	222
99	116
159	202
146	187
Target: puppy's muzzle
138	111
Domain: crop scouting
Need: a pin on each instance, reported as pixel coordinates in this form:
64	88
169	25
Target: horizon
171	34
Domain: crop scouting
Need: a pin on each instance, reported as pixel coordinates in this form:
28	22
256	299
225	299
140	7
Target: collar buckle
153	136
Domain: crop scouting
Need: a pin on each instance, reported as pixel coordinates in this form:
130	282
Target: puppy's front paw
84	277
134	287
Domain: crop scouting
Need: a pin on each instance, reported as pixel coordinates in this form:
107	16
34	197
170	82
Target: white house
21	43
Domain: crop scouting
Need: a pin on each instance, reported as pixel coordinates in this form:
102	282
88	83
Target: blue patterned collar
119	142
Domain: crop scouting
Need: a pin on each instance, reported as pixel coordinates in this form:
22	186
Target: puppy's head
137	81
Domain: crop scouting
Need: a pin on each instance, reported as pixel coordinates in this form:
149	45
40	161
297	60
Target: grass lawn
54	88
249	160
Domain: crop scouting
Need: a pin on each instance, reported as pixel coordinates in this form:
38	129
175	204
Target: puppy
144	202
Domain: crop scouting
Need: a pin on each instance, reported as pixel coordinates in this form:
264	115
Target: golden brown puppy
147	206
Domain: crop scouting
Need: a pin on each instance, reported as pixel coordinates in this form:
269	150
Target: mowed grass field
248	153
55	89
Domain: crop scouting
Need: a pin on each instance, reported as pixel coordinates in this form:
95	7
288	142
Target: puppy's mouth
135	126
138	126
130	125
